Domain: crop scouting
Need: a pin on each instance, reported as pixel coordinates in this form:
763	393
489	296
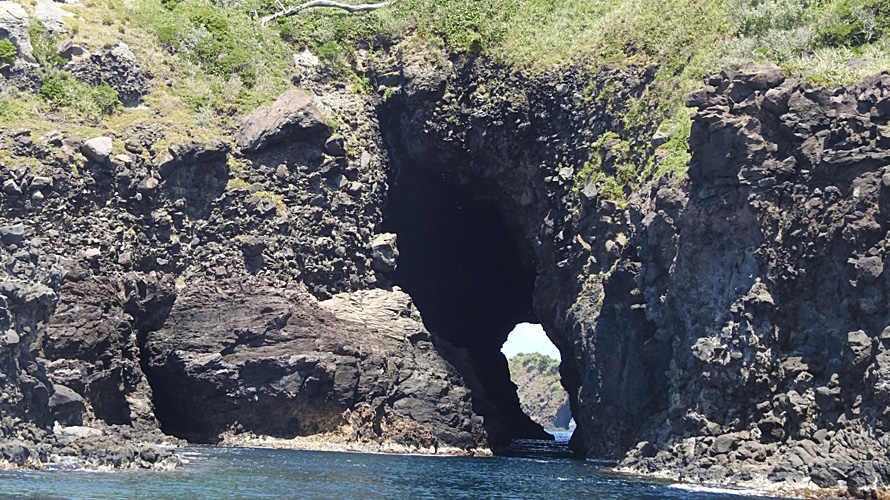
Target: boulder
148	185
762	76
11	188
13	234
775	100
384	252
12	338
39	182
293	116
15	451
659	138
97	149
701	98
858	349
67	406
253	246
194	153
68	50
334	146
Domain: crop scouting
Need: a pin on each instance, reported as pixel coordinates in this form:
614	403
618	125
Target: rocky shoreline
341	441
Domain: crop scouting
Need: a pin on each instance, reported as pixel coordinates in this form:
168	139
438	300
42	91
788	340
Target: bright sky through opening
528	337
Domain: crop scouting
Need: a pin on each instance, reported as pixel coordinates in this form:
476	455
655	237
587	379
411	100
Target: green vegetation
215	38
91	102
235	184
58	89
212	61
673	156
44	45
686	39
543	368
855	23
7	52
610	168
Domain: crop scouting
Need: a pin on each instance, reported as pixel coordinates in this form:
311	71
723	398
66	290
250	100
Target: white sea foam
717	491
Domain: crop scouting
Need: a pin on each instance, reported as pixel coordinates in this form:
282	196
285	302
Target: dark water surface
237	473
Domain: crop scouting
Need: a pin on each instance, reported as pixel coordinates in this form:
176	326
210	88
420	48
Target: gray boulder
66	406
97	149
384	252
858	349
293	116
762	76
334	146
12	235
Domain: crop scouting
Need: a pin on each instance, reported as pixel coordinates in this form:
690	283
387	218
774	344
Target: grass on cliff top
212	62
830	42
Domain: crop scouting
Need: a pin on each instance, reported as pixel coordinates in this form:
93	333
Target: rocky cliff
540	392
728	327
774	307
206	292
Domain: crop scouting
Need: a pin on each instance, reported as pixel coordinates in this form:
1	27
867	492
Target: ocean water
246	473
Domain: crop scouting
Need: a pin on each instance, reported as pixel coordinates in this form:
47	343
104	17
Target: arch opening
471	284
534	362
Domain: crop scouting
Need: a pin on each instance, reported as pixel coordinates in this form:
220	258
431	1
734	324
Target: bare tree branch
325	3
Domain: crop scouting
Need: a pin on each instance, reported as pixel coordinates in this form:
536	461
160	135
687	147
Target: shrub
213	37
8	51
61	91
846	29
54	89
756	18
105	98
43	44
853	23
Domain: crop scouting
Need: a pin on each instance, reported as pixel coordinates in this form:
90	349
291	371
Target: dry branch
325	3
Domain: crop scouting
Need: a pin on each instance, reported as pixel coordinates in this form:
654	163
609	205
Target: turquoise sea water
245	473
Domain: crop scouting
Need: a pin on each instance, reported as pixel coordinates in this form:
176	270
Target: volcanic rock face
775	303
141	294
236	357
730	328
727	330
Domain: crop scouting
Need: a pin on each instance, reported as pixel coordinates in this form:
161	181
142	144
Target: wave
717	491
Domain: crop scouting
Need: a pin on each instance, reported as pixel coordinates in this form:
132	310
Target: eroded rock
278	363
292	117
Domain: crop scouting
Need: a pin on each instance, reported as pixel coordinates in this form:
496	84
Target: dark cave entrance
470	282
